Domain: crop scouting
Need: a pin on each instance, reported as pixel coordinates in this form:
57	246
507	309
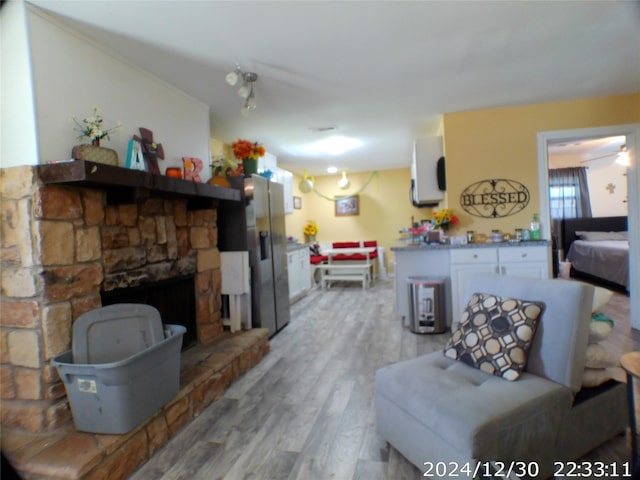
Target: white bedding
607	259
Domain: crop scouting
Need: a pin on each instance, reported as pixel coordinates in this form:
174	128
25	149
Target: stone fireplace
63	243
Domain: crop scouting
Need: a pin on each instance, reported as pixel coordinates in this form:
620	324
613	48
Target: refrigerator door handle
264	244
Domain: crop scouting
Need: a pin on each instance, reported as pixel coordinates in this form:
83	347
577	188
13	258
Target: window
563	201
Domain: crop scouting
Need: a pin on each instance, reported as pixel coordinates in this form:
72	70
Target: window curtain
569	198
569	193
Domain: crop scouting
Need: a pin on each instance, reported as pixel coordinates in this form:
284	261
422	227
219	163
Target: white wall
600	173
18	144
604	203
72	74
564	161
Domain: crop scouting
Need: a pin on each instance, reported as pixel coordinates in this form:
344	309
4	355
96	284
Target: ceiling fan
622	156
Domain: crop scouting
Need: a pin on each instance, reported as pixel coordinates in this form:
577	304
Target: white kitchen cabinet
267	162
279	175
463	263
286	179
525	261
293	273
424	171
299	271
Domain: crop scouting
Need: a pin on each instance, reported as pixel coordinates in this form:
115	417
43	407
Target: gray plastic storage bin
115	397
115	332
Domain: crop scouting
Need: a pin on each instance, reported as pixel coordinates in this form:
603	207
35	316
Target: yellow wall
501	143
479	145
385	209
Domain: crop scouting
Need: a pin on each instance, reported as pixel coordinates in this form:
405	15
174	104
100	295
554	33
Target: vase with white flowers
93	128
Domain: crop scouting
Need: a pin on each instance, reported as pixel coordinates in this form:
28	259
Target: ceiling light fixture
246	89
334	145
232	77
306	184
332	169
623	157
344	182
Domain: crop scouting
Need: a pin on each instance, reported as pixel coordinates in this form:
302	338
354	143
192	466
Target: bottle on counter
535	227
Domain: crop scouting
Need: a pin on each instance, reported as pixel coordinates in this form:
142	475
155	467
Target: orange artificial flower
246	150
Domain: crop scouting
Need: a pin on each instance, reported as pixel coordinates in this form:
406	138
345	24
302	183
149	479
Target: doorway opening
174	298
631	132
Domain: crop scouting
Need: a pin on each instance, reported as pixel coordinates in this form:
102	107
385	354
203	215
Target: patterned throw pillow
495	334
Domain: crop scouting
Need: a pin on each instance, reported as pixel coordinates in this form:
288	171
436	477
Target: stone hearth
66	454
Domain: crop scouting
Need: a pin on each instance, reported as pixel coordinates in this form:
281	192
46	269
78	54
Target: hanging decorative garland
336	197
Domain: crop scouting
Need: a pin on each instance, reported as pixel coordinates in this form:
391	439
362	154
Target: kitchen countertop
291	246
404	247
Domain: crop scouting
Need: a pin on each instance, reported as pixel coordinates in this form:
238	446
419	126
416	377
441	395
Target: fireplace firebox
174	298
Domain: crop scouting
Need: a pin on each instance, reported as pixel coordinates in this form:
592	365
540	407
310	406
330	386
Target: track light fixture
246	88
232	77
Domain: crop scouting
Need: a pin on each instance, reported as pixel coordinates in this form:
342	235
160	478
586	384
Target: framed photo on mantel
346	206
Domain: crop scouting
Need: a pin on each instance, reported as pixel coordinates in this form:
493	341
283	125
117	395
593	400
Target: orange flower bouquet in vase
249	153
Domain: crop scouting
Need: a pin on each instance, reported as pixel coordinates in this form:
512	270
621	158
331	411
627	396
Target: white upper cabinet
285	178
268	162
424	171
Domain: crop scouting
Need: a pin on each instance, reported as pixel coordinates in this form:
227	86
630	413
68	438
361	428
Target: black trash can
427	304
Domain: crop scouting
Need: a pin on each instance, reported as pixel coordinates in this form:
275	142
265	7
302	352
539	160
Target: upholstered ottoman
462	409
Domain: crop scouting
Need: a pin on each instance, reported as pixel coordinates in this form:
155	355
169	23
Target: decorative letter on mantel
494	198
152	151
192	167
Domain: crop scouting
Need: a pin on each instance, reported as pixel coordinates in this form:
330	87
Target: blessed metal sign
494	198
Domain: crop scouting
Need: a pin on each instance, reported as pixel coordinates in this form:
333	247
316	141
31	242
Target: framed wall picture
346	206
297	203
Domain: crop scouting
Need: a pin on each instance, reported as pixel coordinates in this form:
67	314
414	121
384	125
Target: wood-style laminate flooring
306	412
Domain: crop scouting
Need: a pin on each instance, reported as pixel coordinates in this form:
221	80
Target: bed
598	248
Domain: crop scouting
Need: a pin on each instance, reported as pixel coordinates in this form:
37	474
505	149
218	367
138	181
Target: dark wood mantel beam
126	183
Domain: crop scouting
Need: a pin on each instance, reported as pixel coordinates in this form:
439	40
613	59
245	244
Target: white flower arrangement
92	127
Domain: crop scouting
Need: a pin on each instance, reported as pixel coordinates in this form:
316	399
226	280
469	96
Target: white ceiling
382	72
603	150
589	147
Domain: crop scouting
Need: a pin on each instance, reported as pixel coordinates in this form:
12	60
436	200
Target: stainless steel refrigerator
257	225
